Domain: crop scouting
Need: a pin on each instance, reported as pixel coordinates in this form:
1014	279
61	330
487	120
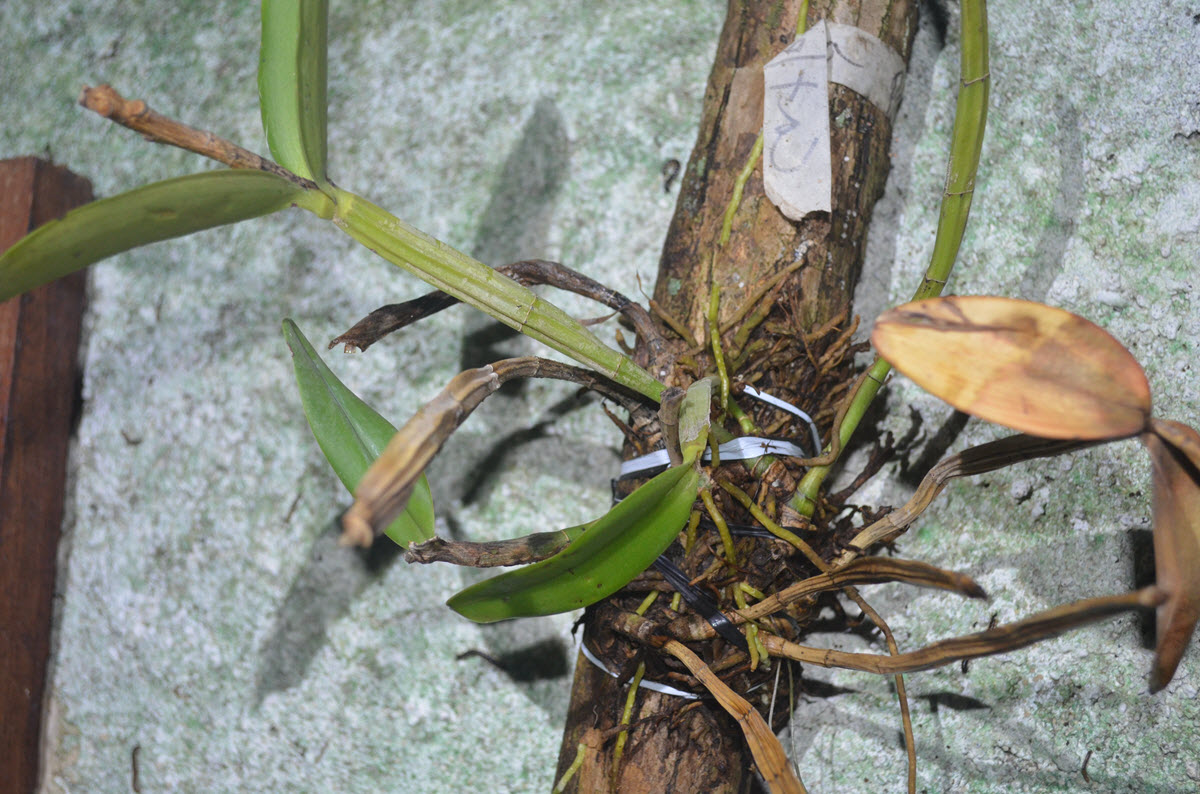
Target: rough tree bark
677	745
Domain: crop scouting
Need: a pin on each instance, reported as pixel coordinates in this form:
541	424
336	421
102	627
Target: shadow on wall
1018	759
1021	753
1052	245
872	294
516	224
320	595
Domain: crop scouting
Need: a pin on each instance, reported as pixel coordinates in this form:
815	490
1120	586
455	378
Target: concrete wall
207	616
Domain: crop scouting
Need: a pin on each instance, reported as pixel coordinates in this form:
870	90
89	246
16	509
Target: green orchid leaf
694	418
485	288
157	211
616	548
291	84
351	434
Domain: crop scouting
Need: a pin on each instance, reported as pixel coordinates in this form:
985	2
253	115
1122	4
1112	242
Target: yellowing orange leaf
1174	453
1034	368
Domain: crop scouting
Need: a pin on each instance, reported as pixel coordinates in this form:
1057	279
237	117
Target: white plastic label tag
797	172
797	163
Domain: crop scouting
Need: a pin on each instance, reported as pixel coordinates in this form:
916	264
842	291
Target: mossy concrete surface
208	618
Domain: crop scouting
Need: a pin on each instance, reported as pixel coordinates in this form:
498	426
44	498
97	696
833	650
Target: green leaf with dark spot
158	211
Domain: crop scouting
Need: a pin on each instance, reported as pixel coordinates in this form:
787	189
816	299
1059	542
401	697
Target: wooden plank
39	377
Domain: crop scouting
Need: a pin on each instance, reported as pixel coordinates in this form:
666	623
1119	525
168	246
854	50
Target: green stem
744	420
714	307
970	119
802	20
739	184
580	754
739	187
473	282
722	527
626	719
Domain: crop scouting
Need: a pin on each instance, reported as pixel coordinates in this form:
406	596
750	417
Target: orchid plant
1054	377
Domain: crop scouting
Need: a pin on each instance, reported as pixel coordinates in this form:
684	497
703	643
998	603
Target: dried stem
976	460
1001	639
764	746
872	570
491	554
137	116
528	273
910	742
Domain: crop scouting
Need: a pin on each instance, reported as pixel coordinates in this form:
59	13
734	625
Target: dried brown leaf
1174	453
1034	368
1182	437
764	745
384	490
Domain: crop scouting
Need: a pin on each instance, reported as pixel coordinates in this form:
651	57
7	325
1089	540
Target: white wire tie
653	686
741	448
791	409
